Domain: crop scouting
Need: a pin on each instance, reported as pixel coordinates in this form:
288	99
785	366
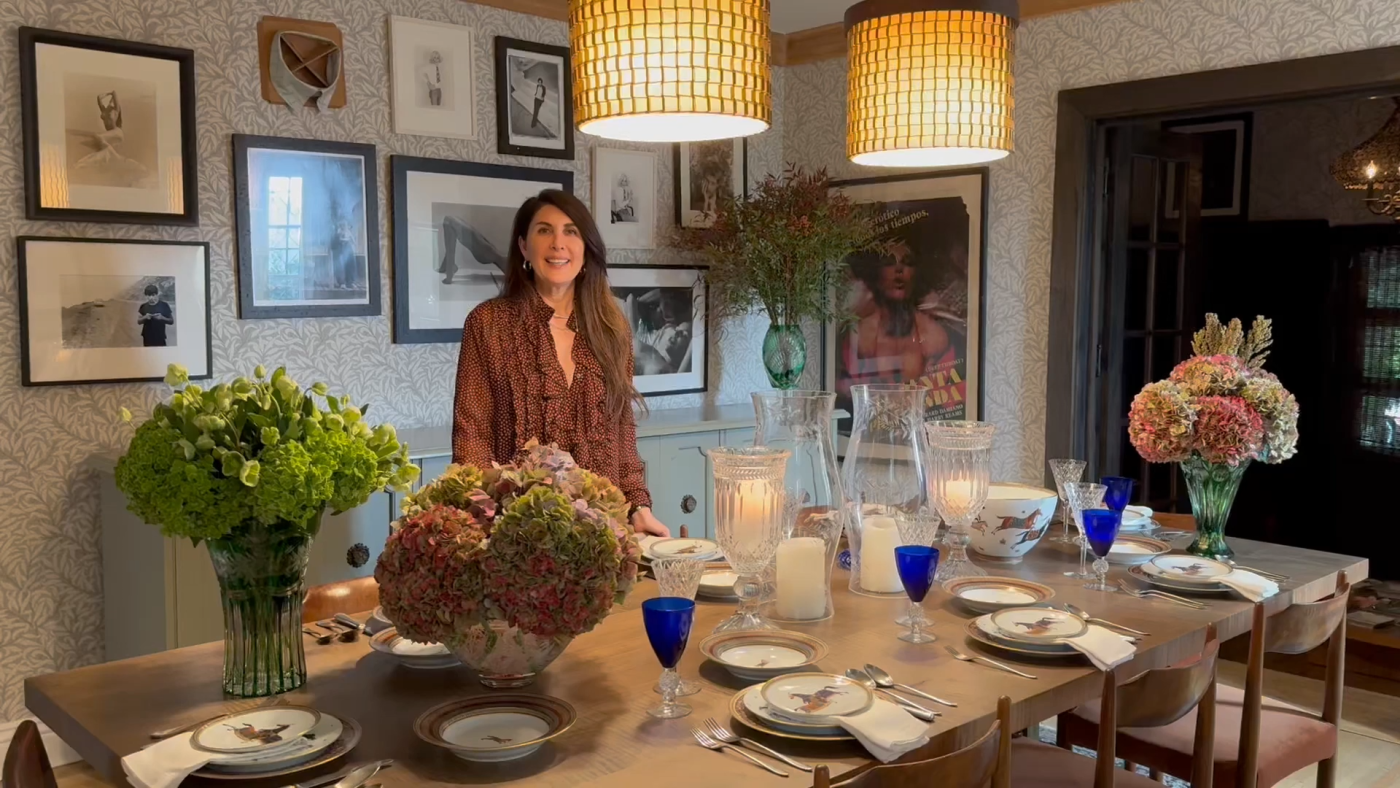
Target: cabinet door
738	437
678	475
329	561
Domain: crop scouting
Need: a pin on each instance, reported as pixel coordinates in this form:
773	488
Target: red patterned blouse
511	388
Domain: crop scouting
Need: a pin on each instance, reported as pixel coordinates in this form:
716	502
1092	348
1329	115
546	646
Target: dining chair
347	596
26	762
1257	742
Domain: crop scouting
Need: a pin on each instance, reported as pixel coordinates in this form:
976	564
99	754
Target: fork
729	737
991	663
710	744
1144	593
1088	619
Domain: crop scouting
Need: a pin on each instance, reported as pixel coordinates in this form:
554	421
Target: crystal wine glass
962	455
749	516
679	577
1081	496
917	565
668	621
1119	492
1100	529
1066	472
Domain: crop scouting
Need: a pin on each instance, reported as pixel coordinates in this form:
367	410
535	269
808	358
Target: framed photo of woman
707	174
433	84
624	197
108	130
667	310
534	112
918	303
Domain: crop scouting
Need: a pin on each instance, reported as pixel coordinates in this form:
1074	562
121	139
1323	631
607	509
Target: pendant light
671	70
1374	166
929	81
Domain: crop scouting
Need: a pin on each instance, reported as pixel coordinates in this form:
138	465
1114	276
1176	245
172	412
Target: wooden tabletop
107	711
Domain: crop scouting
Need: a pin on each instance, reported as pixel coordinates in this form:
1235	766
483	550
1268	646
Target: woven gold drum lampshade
929	82
671	70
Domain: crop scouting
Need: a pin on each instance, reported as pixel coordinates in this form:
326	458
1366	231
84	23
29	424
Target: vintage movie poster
915	305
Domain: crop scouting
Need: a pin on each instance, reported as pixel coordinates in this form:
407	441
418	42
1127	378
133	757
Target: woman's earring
527	266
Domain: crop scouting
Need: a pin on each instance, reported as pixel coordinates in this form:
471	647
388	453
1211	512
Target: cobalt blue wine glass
917	565
1101	528
1119	493
668	621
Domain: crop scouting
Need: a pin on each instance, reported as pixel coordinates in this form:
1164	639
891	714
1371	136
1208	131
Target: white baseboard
60	754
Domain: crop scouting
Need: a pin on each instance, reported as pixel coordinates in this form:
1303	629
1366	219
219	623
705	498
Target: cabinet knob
358	555
688	504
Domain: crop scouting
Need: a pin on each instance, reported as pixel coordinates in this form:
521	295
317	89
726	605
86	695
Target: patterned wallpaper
1110	43
50	570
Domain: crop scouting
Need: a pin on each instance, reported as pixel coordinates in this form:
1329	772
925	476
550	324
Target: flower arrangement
540	545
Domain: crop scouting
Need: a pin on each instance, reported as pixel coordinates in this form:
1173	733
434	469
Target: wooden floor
1369	744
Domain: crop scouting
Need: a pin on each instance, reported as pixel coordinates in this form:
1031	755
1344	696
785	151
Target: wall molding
60	754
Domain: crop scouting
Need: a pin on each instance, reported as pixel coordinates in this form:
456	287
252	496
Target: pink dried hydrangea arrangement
1219	404
540	544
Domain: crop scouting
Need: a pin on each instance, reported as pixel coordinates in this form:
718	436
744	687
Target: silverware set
925	714
710	743
991	663
1152	593
1274	576
726	736
886	681
1088	619
341	627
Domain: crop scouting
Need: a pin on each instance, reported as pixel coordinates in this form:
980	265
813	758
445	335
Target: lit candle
878	539
958	493
802	578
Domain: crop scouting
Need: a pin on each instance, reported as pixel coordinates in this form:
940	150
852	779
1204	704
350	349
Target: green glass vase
784	355
261	571
1212	487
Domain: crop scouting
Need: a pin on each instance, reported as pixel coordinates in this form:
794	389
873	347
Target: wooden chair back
1165	695
347	596
26	762
988	758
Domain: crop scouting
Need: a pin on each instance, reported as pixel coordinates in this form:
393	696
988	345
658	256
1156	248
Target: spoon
343	635
1084	614
861	677
887	681
321	640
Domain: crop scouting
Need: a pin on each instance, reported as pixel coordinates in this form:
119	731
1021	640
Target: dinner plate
1188	569
816	698
1135	550
489	728
411	654
990	594
718	584
762	655
682	547
980	635
1177	587
1039	625
990	632
747	708
349	737
255	730
299	750
378	622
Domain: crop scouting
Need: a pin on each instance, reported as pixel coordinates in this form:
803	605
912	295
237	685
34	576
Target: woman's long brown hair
600	321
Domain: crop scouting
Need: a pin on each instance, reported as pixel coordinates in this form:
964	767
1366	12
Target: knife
349	777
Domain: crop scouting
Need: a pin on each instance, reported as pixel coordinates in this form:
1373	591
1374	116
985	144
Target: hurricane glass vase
261	571
1212	487
784	355
505	657
961	453
884	479
749	506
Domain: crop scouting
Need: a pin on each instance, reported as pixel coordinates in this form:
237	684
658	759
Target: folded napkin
1255	588
1105	648
165	764
886	730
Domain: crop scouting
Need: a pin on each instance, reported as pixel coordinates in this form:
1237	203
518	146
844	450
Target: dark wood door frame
1075	263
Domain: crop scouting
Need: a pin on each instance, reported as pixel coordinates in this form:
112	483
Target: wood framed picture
534	114
433	81
667	310
707	173
1226	144
624	197
917	306
108	130
308	228
111	311
452	237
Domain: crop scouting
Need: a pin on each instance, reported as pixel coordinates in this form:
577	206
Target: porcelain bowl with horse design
1014	520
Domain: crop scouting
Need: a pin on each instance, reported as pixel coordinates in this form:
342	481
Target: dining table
107	711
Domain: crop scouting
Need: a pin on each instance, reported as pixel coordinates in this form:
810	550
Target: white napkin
165	764
1105	648
1255	588
886	730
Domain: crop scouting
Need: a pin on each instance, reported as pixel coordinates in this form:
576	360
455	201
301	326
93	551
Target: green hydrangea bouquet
249	468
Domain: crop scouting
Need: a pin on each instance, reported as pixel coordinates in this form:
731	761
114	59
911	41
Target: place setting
1050	633
1189	574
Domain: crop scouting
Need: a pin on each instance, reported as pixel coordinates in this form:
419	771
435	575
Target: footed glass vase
784	355
505	657
1212	487
261	571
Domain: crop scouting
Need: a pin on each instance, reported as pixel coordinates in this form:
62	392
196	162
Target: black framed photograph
111	311
108	130
452	237
667	310
308	227
917	305
708	173
534	114
624	197
1226	144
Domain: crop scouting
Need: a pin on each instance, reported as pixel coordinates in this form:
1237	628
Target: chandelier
1374	166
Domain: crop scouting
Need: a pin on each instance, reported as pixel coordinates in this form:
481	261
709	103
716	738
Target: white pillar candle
958	493
802	578
879	537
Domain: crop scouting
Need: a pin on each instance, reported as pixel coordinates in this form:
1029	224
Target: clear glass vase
885	481
749	509
962	458
1212	487
261	571
784	355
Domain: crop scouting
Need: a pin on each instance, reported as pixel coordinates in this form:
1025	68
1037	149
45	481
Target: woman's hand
644	522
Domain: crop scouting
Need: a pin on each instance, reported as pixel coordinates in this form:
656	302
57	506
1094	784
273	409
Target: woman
552	358
539	102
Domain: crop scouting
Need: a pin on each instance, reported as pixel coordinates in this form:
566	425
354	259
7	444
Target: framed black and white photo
111	311
667	310
534	114
308	228
452	238
433	83
707	174
624	197
108	130
1226	143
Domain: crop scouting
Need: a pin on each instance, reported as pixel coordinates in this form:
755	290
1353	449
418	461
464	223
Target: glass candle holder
749	508
961	452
